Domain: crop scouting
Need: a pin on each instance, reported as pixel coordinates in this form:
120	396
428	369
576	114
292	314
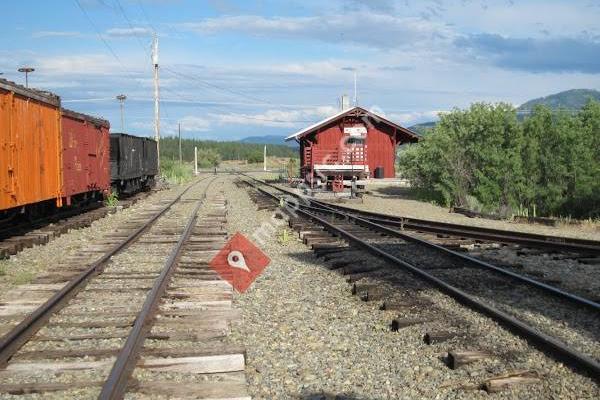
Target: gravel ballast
308	337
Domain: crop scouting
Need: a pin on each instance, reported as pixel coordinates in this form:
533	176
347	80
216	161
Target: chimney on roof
345	102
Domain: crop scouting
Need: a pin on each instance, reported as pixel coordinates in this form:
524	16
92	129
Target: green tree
485	158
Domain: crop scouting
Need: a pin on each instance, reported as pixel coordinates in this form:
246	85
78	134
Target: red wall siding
85	156
381	152
329	138
381	149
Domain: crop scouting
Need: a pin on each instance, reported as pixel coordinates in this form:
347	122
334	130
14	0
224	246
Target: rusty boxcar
85	145
30	149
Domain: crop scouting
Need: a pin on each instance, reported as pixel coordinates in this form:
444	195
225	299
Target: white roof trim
313	126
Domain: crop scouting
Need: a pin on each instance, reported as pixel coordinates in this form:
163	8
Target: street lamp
122	99
27	70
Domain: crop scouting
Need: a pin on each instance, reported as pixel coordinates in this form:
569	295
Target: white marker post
195	160
265	159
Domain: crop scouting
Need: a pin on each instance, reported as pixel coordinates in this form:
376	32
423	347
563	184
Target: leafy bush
484	157
255	157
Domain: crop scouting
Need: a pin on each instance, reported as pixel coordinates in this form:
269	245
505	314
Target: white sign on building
355	131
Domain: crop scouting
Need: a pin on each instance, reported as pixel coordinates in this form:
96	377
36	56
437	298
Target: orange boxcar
85	156
30	147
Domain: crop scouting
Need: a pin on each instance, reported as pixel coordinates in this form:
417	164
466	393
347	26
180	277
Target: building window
355	141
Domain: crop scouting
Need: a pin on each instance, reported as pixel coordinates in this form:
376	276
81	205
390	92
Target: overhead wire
177	73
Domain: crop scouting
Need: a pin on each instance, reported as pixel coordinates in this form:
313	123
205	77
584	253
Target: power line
224	89
133	29
141	6
108	46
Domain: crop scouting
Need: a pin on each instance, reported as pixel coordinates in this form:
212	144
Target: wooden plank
192	324
457	359
219	304
197	390
196	365
10	310
187	336
62	338
42	387
33	367
209	350
93	324
227	314
499	383
437	337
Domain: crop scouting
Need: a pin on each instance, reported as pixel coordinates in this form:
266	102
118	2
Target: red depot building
354	143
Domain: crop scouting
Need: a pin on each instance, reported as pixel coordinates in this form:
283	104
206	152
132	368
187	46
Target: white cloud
77	64
191	123
411	118
277	118
49	34
362	28
129	32
169	126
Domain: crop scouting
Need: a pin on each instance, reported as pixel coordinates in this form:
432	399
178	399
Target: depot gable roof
354	111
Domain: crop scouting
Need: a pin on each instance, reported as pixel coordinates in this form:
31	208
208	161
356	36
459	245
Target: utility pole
27	71
156	99
122	99
179	131
265	159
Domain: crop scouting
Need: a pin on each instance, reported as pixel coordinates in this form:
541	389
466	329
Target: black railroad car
150	159
133	163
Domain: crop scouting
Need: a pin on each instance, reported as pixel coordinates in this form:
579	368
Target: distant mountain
269	139
423	127
573	99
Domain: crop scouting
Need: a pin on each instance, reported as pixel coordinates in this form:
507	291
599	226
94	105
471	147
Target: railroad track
547	242
564	325
17	236
525	254
146	315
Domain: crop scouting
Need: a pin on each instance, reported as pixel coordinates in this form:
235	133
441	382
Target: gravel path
307	337
396	205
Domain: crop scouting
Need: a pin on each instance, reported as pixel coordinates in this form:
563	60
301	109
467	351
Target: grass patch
112	199
22	277
176	173
15	277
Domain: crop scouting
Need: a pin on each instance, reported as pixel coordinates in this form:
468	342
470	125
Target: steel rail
556	347
115	386
476	232
20	334
578	300
498	235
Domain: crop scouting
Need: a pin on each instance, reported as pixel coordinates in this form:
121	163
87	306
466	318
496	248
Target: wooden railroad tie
457	359
438	337
501	382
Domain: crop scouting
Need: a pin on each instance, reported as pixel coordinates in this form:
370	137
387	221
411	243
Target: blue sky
232	69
